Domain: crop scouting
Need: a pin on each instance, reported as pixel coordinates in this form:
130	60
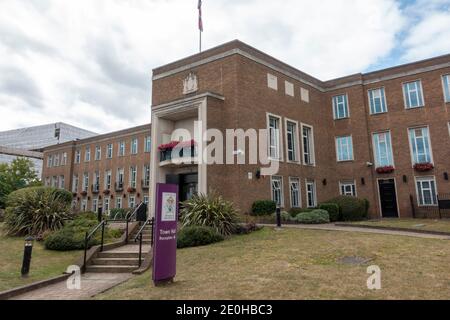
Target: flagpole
200	32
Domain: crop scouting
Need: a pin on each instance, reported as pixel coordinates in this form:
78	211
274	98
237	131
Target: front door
188	186
388	198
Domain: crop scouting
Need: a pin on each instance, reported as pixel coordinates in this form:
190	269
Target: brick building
110	170
382	135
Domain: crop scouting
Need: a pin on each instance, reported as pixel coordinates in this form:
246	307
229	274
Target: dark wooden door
388	198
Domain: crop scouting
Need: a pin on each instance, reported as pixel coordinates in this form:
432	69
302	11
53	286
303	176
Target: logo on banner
169	206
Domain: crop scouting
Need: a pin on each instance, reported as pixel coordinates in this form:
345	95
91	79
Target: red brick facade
239	74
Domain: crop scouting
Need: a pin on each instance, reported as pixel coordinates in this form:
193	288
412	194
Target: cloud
89	63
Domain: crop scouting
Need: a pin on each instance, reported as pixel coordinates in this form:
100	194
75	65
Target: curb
8	294
437	233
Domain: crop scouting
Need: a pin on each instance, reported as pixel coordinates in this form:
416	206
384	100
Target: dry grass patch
44	263
302	264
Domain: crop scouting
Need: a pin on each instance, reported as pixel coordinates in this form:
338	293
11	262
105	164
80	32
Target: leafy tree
17	175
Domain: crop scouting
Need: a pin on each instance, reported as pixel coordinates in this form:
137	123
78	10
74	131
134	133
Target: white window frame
96	181
289	88
98	153
109	150
147	144
376	148
133	176
407	96
87	154
120	173
426	179
64	159
56	160
304	95
129	201
296	142
336	105
49	161
146	177
94	204
337	148
84	205
382	99
409	130
292	181
62	181
272	81
343	184
134	146
106	204
77	156
85	185
314	191
119	203
279	149
312	155
75	183
121	149
146	199
108	176
446	98
272	190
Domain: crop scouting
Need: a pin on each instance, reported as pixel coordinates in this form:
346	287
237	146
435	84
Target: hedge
194	236
295	211
263	207
351	208
332	209
316	216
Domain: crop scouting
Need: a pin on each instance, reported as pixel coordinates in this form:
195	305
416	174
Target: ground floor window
83	205
146	200
118	202
294	186
426	191
94	204
277	190
348	188
131	202
106	204
310	193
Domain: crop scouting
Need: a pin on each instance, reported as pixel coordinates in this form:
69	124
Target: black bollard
99	214
278	217
28	249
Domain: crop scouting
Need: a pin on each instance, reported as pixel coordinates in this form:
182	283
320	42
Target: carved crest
190	84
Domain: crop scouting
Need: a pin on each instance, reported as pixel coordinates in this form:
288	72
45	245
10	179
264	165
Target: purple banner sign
165	233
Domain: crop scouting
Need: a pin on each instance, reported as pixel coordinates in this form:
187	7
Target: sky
88	62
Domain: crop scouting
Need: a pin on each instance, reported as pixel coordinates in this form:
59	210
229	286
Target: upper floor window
98	153
272	81
304	94
109	150
347	188
340	106
134	146
77	156
277	190
446	84
294	186
289	88
146	181
75	183
87	154
344	148
291	140
121	149
49	161
419	140
108	179
64	159
85	181
133	176
377	101
382	149
56	160
413	94
308	145
274	137
62	182
426	191
148	144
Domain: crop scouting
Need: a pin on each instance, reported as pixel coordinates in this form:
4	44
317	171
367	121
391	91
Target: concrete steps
110	269
116	261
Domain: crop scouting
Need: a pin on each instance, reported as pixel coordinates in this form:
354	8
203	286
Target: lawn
302	264
416	224
44	263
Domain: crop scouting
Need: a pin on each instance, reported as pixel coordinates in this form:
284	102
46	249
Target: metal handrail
88	237
139	236
129	217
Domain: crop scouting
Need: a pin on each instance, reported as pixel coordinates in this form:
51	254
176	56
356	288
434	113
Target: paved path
332	227
91	285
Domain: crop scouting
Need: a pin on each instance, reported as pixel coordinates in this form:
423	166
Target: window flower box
131	190
182	149
83	193
106	192
421	167
385	169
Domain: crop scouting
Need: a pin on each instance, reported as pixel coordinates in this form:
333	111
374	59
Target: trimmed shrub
351	208
71	236
332	209
316	216
295	211
263	207
194	236
32	211
209	210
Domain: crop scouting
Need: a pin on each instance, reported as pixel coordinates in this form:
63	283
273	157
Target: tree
17	175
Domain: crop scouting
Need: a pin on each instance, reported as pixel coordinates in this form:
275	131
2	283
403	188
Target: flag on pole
200	21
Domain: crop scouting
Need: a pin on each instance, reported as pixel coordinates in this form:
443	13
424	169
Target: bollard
99	214
28	249
278	217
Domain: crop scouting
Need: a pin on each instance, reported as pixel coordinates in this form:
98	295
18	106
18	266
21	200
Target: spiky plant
209	210
31	211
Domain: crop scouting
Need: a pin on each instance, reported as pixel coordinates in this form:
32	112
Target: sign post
165	233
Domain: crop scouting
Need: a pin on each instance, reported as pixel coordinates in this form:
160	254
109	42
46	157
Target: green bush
351	208
316	216
72	235
295	211
285	216
263	207
32	211
332	209
209	210
194	236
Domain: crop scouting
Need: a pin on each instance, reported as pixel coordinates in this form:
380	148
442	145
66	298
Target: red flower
426	166
385	169
176	144
131	189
